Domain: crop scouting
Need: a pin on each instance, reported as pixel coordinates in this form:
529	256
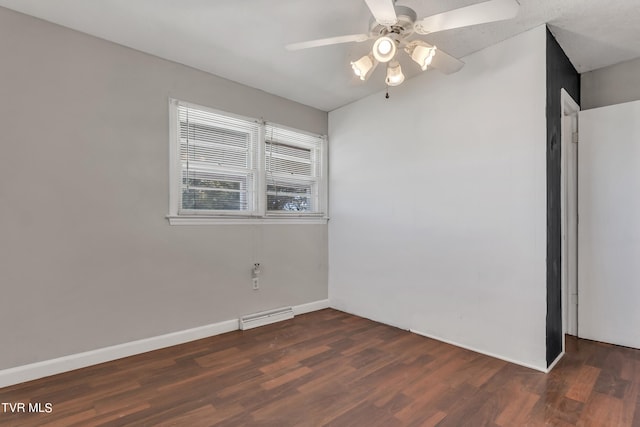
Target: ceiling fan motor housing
403	28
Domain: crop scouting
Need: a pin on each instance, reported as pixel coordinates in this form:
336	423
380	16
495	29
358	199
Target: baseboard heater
265	318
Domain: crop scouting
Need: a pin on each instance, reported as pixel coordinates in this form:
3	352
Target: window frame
260	213
319	182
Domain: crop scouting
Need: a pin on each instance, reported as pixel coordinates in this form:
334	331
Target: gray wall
87	258
611	85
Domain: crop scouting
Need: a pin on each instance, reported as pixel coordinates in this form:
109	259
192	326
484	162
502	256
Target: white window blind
218	162
232	169
293	169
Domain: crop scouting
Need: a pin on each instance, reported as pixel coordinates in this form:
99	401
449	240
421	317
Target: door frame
569	214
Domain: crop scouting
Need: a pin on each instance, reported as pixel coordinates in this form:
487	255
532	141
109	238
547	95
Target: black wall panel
560	74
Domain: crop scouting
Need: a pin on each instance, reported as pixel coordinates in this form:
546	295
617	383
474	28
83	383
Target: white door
609	224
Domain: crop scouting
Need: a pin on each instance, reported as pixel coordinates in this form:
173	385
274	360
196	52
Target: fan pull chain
387	94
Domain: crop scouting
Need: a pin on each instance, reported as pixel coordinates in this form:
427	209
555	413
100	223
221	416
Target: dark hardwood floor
332	368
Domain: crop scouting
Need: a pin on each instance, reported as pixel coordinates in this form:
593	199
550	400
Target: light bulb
394	74
384	49
363	66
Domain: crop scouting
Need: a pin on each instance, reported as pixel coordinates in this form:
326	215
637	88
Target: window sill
211	220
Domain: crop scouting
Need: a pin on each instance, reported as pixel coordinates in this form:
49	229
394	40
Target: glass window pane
214	191
210	181
288	196
288	203
211	199
290	189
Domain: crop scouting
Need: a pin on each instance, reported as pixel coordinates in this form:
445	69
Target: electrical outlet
256	284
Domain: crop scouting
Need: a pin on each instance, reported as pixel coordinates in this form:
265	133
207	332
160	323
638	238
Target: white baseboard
80	360
496	356
311	306
59	365
555	362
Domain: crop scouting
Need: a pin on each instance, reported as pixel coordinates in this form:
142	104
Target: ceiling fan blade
383	11
446	63
488	11
328	41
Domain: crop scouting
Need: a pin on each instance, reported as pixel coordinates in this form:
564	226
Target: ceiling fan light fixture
384	49
423	56
363	66
421	53
394	74
392	26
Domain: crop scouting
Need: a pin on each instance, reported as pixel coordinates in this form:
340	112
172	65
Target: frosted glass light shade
363	66
394	74
423	56
421	52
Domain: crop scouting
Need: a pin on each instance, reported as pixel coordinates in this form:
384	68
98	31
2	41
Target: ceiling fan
392	26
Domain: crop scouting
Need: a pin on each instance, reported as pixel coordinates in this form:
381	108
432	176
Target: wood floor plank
199	417
331	368
630	403
285	378
418	406
516	409
602	410
582	387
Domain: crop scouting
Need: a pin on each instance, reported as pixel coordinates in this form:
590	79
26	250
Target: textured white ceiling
243	40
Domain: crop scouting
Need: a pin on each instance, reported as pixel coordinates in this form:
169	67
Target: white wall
610	85
87	258
438	203
609	226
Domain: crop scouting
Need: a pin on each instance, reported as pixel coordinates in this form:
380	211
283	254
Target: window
234	169
293	164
